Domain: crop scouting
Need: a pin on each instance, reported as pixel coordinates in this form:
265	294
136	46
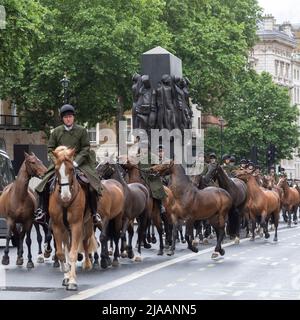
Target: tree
258	112
23	21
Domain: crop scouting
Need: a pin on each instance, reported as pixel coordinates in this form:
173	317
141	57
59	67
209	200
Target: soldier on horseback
226	163
75	136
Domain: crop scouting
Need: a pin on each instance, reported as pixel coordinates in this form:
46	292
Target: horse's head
163	169
243	174
282	181
212	171
34	166
64	168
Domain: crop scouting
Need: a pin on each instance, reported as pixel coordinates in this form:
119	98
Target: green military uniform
153	182
76	138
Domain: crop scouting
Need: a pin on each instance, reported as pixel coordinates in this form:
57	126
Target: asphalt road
251	270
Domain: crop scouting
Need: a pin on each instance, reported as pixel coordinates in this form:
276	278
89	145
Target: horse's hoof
110	252
194	249
55	264
47	253
138	259
295	222
115	263
153	239
5	261
211	236
40	259
30	265
109	262
251	239
148	238
160	253
194	242
72	287
96	264
65	282
275	239
205	241
215	255
130	254
124	254
79	257
147	245
237	240
267	235
183	241
103	263
166	246
87	265
222	252
170	253
19	261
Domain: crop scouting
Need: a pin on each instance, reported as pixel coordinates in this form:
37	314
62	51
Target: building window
281	68
297	74
287	71
2	144
129	136
276	67
92	135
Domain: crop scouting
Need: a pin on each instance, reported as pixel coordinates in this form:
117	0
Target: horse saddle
81	177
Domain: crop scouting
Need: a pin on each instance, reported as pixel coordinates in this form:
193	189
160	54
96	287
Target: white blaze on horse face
65	190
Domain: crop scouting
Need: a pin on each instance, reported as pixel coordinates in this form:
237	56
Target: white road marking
170	285
158	291
181	279
237	293
201	269
85	294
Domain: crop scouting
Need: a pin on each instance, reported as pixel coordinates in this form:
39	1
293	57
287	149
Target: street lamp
221	120
65	84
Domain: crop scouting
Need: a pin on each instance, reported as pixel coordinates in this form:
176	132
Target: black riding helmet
243	161
212	156
225	157
66	109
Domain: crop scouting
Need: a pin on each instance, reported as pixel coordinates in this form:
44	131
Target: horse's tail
233	221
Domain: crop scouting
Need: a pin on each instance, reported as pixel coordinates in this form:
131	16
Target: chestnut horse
290	200
262	204
71	220
17	205
210	203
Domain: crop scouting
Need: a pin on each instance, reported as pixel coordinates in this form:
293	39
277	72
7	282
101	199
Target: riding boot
162	209
93	201
40	215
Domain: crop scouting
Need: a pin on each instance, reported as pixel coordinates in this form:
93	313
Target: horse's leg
276	221
284	215
295	214
148	222
39	238
181	232
5	258
116	237
103	239
20	252
148	234
141	233
189	235
76	231
158	224
130	236
153	238
253	225
47	242
174	232
264	224
28	243
123	238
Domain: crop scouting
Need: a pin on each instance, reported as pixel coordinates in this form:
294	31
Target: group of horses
246	200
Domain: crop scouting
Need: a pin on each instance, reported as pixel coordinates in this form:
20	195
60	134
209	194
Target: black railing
9	121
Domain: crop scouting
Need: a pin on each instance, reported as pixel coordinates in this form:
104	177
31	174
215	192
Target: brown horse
210	203
72	224
290	200
136	206
262	204
17	205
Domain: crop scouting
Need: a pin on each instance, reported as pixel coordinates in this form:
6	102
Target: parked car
7	176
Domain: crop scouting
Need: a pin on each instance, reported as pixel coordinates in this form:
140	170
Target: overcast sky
286	10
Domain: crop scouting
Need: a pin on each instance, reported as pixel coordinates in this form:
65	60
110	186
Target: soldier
206	180
243	163
250	166
225	165
232	165
71	135
273	175
152	180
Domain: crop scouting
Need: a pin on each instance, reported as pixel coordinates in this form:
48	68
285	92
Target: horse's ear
71	152
26	154
32	153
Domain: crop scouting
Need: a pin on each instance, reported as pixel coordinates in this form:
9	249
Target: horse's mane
63	153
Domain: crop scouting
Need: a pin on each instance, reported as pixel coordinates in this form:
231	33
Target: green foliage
257	112
99	44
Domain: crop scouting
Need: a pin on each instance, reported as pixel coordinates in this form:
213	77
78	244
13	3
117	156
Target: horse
136	206
211	203
238	192
262	204
290	200
71	221
17	205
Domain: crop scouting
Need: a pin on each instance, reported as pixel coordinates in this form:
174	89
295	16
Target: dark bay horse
262	204
210	203
290	200
72	223
238	192
17	205
135	207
